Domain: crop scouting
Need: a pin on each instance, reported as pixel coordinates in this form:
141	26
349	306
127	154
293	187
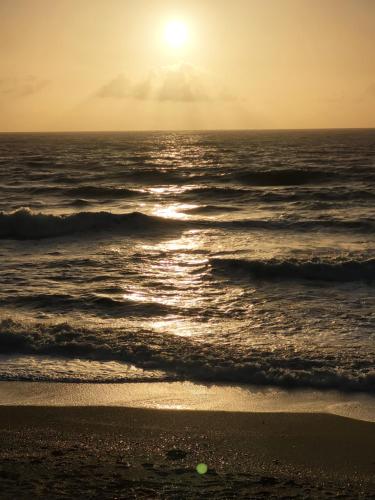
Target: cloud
182	83
118	88
21	87
178	83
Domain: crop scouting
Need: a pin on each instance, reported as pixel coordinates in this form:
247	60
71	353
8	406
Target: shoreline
189	396
107	452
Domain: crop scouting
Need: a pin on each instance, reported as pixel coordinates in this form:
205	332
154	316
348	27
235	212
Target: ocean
214	257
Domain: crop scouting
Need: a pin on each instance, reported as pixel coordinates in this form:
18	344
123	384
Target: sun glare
176	33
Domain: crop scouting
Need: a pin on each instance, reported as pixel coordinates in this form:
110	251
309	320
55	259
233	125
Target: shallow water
186	396
241	257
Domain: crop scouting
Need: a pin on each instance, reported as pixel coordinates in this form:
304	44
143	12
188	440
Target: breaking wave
186	359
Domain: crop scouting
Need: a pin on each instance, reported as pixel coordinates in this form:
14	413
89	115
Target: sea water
235	257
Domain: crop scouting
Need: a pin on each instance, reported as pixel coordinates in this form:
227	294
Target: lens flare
202	469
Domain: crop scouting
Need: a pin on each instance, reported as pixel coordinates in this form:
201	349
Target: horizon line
183	130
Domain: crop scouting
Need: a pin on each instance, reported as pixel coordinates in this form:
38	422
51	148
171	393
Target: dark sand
103	452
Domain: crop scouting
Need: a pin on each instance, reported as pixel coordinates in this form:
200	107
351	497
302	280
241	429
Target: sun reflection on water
163	190
176	275
175	211
173	276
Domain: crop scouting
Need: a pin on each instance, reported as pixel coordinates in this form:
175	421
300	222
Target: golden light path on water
172	270
176	276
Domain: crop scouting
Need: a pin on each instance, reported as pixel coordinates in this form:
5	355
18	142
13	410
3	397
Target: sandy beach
108	452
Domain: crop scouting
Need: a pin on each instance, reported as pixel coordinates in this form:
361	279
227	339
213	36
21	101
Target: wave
355	225
92	303
266	177
336	194
80	202
25	224
84	191
188	359
215	192
207	209
194	191
150	176
351	270
282	177
102	192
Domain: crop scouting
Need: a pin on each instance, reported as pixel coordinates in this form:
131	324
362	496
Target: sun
175	33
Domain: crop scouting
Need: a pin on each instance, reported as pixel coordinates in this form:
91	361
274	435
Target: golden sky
110	65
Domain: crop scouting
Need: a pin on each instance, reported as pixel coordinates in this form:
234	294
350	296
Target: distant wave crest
102	192
282	177
265	195
25	224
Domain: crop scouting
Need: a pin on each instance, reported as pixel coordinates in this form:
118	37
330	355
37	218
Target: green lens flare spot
202	468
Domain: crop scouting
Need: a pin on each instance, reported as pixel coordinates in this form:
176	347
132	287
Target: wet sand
112	452
189	396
